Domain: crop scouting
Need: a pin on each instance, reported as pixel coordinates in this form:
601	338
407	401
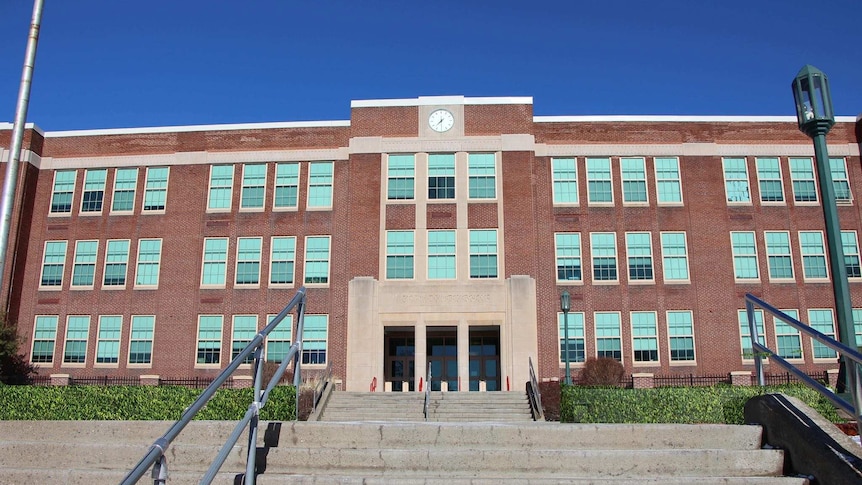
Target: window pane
221	187
788	339
568	252
608	341
634	179
156	189
108	343
116	263
77	331
53	263
644	336
286	185
282	260
399	254
401	176
674	256
209	339
441	176
125	183
84	268
94	190
64	189
736	180
813	254
802	176
314	339
599	189
278	342
215	262
778	253
840	182
745	332
253	185
604	251
744	255
441	255
248	261
320	184
680	331
639	251
565	178
149	257
141	343
483	253
317	260
668	182
482	175
576	348
821	320
44	338
850	247
244	330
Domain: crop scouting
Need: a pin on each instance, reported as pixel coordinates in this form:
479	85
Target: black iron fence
691	380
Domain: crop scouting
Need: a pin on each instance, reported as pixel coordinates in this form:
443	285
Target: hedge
716	404
135	403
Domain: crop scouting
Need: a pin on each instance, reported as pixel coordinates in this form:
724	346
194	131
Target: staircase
85	452
442	407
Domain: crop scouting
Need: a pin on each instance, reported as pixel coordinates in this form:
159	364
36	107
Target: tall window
141	339
668	181
77	333
483	253
401	175
221	188
744	256
576	342
399	254
568	254
156	189
441	255
644	336
116	263
565	180
821	320
317	259
53	264
94	190
286	185
44	339
253	186
314	339
482	167
639	253
603	246
108	340
248	261
608	339
599	187
282	260
769	180
634	179
244	330
278	341
857	325
441	176
64	189
736	180
778	254
215	262
149	259
802	176
320	178
674	256
840	181
125	184
813	255
84	268
787	339
745	332
680	330
209	339
850	245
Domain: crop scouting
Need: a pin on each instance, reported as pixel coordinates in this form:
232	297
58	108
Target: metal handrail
321	386
155	456
535	395
852	358
427	391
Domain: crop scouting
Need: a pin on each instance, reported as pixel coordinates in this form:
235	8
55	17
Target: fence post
149	380
60	379
740	378
643	380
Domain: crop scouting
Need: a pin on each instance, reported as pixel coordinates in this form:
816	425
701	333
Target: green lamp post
565	306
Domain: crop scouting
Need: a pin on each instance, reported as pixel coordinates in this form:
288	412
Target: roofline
27	126
438	101
679	119
191	128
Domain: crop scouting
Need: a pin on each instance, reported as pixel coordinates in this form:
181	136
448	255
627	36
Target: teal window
84	267
599	187
253	185
769	180
125	184
401	177
221	188
736	180
215	262
64	189
840	182
850	245
744	256
680	330
141	341
813	255
286	185
44	339
802	176
568	254
634	179
604	252
320	179
317	260
668	181
778	254
209	339
787	339
108	340
441	176
644	337
483	253
483	180
608	339
94	190
149	260
821	320
278	341
857	325
565	180
77	333
116	262
314	339
244	330
441	255
248	250
282	260
156	189
639	253
674	256
53	264
399	254
576	342
745	332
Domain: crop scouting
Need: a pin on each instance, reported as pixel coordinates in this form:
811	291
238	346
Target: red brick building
438	230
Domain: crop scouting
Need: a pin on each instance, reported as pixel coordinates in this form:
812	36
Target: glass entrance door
443	358
485	359
400	361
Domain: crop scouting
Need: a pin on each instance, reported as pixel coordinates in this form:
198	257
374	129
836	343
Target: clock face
441	120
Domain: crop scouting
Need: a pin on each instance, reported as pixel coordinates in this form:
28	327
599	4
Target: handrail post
297	359
752	330
251	459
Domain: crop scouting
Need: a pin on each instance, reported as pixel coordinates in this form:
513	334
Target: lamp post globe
565	306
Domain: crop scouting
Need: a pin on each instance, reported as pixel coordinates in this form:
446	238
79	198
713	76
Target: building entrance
400	360
485	359
442	355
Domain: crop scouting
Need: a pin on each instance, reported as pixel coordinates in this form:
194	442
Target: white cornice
27	126
437	101
677	119
190	128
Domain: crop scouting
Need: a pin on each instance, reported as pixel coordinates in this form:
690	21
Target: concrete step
442	406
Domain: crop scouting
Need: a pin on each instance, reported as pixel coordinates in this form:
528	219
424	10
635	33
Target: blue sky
118	63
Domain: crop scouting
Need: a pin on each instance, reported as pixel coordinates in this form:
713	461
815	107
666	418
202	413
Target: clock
441	120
